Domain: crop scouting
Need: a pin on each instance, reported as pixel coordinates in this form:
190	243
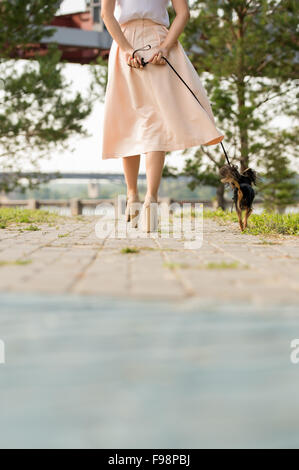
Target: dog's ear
251	174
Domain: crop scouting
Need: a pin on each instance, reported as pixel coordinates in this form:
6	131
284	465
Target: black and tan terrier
244	193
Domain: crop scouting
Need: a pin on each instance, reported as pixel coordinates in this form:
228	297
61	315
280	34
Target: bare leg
131	170
154	163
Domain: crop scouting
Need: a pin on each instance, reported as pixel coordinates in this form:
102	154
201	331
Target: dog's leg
248	211
239	212
238	208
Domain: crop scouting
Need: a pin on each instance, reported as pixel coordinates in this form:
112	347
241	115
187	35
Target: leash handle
145	63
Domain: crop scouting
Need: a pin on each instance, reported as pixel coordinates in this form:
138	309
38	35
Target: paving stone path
164	348
229	266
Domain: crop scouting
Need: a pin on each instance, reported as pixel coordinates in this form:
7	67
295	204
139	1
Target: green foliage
38	111
25	216
22	24
246	50
130	250
99	72
17	262
265	223
279	188
224	265
279	185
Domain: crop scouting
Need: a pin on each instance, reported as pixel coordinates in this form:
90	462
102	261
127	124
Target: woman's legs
154	163
131	170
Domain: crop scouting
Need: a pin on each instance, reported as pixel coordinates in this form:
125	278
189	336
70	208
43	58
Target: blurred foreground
103	373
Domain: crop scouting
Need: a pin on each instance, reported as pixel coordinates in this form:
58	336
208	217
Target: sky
70	6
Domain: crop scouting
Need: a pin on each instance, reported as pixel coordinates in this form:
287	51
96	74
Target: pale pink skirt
151	109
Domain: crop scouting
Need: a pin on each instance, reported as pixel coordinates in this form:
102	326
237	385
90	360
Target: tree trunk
244	158
241	92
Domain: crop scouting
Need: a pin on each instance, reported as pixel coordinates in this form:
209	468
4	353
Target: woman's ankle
132	194
151	196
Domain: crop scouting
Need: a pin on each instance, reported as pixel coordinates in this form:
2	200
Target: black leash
145	63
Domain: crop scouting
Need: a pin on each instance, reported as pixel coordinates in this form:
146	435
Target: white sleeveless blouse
156	10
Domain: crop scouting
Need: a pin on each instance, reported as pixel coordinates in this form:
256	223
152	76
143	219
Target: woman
148	109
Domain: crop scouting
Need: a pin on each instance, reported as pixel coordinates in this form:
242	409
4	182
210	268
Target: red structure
79	37
81	20
80	53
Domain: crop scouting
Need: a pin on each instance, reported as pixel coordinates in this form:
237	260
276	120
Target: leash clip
145	48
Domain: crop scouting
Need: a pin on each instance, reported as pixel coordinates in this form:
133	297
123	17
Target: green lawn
9	216
265	223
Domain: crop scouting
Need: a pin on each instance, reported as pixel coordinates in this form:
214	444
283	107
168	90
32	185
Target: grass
267	223
220	265
10	216
32	228
173	266
64	235
187	213
18	262
267	242
130	250
224	265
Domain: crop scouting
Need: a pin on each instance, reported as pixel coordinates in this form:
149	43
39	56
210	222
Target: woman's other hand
136	62
156	59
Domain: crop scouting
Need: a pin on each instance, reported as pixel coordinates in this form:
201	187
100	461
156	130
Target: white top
156	10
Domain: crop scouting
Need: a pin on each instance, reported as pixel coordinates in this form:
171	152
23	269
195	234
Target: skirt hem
160	147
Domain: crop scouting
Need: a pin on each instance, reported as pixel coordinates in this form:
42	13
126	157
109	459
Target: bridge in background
92	179
67	176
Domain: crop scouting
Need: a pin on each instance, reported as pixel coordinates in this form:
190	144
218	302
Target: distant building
94	6
81	36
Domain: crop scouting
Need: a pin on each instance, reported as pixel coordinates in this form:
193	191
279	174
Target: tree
279	186
38	111
247	49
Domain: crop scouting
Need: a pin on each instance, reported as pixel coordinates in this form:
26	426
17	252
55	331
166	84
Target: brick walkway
110	370
70	258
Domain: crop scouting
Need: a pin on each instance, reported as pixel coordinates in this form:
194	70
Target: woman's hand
136	62
157	57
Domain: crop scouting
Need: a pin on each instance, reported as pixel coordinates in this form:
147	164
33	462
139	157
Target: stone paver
71	259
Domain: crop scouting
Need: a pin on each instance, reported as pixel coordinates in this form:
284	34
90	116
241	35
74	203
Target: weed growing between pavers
225	265
212	265
18	262
130	250
268	242
173	266
32	228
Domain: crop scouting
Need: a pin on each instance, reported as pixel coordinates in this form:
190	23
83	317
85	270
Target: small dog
244	193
